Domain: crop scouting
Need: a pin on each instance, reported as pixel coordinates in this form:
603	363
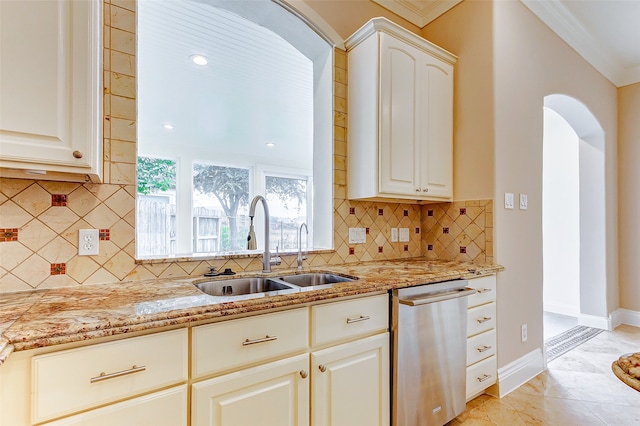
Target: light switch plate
523	201
508	200
394	235
357	235
404	235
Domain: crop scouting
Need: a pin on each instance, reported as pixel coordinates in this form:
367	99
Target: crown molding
418	12
562	22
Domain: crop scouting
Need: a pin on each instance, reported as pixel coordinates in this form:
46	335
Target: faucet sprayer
300	257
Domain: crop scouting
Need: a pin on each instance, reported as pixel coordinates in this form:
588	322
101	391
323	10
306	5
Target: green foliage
155	175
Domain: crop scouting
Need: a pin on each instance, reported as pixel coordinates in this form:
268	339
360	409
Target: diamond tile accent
469	236
58	269
8	234
58	200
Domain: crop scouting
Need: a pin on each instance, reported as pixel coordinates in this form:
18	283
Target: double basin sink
252	287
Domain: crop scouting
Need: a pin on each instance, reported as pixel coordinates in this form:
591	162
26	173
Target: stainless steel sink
314	279
253	287
245	286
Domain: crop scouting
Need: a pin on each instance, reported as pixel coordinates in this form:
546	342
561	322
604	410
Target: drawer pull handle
322	368
77	154
105	376
358	319
483	348
484	377
266	338
483	319
484	290
303	374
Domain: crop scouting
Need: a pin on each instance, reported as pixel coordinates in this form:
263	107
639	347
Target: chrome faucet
251	238
300	257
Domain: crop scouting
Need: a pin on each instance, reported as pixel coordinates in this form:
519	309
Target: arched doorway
574	250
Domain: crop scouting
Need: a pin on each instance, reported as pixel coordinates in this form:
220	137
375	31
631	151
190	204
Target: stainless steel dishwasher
429	331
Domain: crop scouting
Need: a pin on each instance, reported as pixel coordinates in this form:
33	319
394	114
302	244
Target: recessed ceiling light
168	126
199	59
270	144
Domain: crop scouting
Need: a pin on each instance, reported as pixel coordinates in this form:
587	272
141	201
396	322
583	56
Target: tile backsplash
39	220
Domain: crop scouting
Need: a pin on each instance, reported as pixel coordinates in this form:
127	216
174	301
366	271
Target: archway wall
531	62
629	176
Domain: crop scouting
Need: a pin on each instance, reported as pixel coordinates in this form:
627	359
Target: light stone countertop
55	316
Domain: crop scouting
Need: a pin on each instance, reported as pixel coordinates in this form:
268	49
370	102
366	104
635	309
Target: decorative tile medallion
58	268
8	234
59	200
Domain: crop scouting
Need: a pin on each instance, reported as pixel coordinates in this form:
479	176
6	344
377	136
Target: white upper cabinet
51	89
400	129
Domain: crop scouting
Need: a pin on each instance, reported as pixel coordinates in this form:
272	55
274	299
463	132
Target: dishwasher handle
424	298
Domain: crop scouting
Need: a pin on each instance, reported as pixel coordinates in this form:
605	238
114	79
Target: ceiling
256	88
604	32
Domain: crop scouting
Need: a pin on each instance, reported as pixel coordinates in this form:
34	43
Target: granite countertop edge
50	317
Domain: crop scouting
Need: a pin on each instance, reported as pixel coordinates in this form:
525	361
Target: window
290	196
258	107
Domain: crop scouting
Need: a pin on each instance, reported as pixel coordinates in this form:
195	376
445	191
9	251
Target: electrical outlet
88	240
404	235
523	332
394	235
523	201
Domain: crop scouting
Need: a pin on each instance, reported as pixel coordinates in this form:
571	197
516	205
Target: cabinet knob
417	189
77	154
425	189
322	368
303	374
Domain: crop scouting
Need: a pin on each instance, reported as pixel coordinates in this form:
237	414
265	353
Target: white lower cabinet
481	336
351	383
325	364
266	373
276	393
164	408
131	381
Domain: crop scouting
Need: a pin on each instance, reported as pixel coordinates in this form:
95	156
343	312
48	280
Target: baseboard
518	372
625	316
593	321
562	309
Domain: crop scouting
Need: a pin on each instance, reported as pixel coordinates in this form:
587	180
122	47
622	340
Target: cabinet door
436	127
50	108
351	383
399	113
274	394
165	408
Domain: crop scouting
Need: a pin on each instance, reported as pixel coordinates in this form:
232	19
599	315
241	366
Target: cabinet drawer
237	343
165	408
481	375
349	319
486	287
481	346
77	379
481	318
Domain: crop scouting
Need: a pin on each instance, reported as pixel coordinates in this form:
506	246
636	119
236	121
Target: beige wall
629	178
507	67
467	32
531	62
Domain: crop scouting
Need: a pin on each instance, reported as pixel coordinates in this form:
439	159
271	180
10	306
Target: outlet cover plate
88	240
404	235
357	235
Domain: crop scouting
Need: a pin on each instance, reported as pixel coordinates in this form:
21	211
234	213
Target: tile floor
578	388
555	324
